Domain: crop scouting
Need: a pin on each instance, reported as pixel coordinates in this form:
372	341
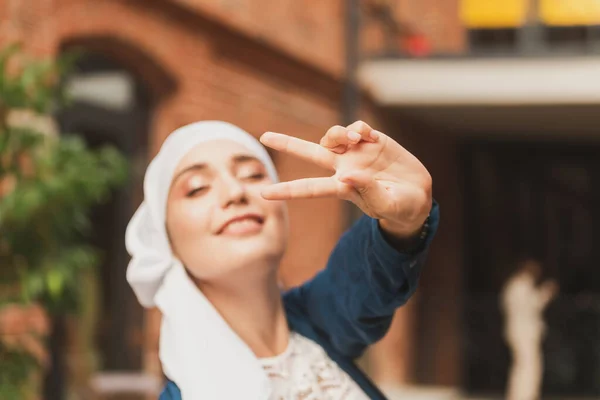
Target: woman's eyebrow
194	167
244	158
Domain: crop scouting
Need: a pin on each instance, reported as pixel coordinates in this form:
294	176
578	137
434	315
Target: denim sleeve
170	392
352	301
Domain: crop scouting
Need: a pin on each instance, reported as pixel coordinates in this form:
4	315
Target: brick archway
120	31
157	81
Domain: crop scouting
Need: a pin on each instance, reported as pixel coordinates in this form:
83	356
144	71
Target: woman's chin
256	248
246	259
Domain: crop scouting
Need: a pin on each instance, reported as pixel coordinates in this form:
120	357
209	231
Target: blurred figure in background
523	305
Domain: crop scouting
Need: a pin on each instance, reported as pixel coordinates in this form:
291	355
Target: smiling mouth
243	225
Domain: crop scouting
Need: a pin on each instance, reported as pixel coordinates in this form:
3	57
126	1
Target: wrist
405	239
402	231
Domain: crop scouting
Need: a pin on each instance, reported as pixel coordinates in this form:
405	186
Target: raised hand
370	169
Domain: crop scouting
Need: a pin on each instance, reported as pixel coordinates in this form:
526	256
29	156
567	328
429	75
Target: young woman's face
216	218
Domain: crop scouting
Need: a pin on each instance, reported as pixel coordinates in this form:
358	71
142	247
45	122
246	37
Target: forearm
367	278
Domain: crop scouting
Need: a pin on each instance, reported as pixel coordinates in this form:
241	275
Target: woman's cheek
195	216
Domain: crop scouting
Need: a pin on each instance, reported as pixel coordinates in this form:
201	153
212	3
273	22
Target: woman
207	241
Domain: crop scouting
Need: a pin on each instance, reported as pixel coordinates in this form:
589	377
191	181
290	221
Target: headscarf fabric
199	352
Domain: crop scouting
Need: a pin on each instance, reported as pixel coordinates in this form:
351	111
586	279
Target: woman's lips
243	225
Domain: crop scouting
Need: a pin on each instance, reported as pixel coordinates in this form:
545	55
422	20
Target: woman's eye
196	191
254	177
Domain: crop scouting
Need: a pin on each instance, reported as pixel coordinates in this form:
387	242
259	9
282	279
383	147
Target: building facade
506	97
150	66
463	85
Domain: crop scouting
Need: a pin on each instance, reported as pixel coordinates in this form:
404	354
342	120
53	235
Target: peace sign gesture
370	169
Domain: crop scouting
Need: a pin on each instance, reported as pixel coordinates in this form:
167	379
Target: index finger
300	148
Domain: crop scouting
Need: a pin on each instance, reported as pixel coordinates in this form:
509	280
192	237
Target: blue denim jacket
350	304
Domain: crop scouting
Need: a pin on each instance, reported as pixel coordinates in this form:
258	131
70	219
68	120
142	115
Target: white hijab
198	350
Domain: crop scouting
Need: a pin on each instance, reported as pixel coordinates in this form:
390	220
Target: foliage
48	183
15	370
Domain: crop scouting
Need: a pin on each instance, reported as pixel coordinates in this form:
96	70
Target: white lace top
305	372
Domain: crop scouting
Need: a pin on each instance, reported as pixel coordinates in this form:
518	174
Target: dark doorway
537	201
110	107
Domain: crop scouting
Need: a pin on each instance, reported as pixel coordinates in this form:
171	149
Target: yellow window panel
570	12
494	13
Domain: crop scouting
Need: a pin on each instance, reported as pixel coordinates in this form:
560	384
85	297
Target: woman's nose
232	192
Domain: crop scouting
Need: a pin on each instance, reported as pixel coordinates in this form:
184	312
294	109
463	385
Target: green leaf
33	286
55	283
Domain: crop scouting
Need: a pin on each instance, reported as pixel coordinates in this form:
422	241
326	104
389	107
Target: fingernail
353	136
266	135
374	134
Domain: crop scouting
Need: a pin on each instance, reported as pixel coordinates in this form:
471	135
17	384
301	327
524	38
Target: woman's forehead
214	153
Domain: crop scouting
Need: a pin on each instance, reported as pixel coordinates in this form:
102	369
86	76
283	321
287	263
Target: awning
483	81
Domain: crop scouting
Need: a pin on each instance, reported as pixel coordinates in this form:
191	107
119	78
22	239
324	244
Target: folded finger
338	138
366	132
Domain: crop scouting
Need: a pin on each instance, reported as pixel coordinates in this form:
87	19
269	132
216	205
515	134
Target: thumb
370	196
360	180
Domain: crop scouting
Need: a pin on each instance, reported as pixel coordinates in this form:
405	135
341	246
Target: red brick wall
216	74
308	29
